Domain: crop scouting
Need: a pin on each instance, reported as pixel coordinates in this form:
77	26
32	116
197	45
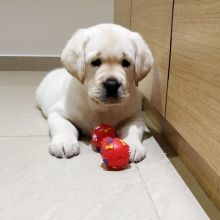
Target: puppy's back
51	89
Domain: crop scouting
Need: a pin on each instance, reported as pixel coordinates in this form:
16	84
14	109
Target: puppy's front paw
137	151
64	147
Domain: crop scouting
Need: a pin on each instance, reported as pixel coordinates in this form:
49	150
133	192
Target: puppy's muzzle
111	86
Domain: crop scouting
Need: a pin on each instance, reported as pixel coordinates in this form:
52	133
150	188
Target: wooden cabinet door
193	104
122	12
153	18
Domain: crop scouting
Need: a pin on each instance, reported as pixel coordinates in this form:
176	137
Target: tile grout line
18	86
147	192
24	136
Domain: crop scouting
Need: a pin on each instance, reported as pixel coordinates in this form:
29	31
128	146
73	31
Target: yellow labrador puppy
103	65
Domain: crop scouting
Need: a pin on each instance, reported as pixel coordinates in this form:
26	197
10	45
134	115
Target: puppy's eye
96	62
125	63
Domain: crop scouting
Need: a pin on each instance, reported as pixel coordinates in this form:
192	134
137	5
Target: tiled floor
34	185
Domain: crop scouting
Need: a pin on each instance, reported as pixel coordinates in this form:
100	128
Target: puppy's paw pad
64	147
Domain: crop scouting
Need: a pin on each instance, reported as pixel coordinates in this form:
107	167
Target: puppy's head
109	60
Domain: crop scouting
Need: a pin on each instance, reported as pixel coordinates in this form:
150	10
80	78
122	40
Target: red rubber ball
101	131
115	153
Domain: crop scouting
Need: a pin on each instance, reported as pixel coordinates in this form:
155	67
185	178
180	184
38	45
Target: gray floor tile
19	115
35	185
171	196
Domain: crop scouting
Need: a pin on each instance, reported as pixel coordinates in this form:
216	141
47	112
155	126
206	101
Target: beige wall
42	27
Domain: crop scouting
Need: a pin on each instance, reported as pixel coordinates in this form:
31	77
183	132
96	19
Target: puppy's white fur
73	98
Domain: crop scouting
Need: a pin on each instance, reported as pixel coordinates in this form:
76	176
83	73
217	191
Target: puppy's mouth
108	101
101	95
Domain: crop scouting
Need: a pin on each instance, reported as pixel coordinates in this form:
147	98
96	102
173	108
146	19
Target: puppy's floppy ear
143	57
73	57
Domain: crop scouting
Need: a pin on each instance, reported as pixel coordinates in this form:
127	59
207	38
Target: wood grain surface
153	20
122	12
193	104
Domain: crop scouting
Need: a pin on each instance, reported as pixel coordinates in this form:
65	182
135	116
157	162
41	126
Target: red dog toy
115	153
101	131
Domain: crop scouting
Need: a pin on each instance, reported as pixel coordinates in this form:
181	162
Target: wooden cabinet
155	26
193	102
122	12
153	20
184	85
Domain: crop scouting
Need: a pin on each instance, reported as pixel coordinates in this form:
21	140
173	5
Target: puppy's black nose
111	86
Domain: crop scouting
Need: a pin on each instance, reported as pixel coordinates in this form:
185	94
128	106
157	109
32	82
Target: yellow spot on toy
109	147
107	130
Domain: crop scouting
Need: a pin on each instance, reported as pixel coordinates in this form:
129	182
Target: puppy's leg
64	137
132	132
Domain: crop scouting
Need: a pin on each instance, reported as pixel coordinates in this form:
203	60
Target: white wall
42	27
